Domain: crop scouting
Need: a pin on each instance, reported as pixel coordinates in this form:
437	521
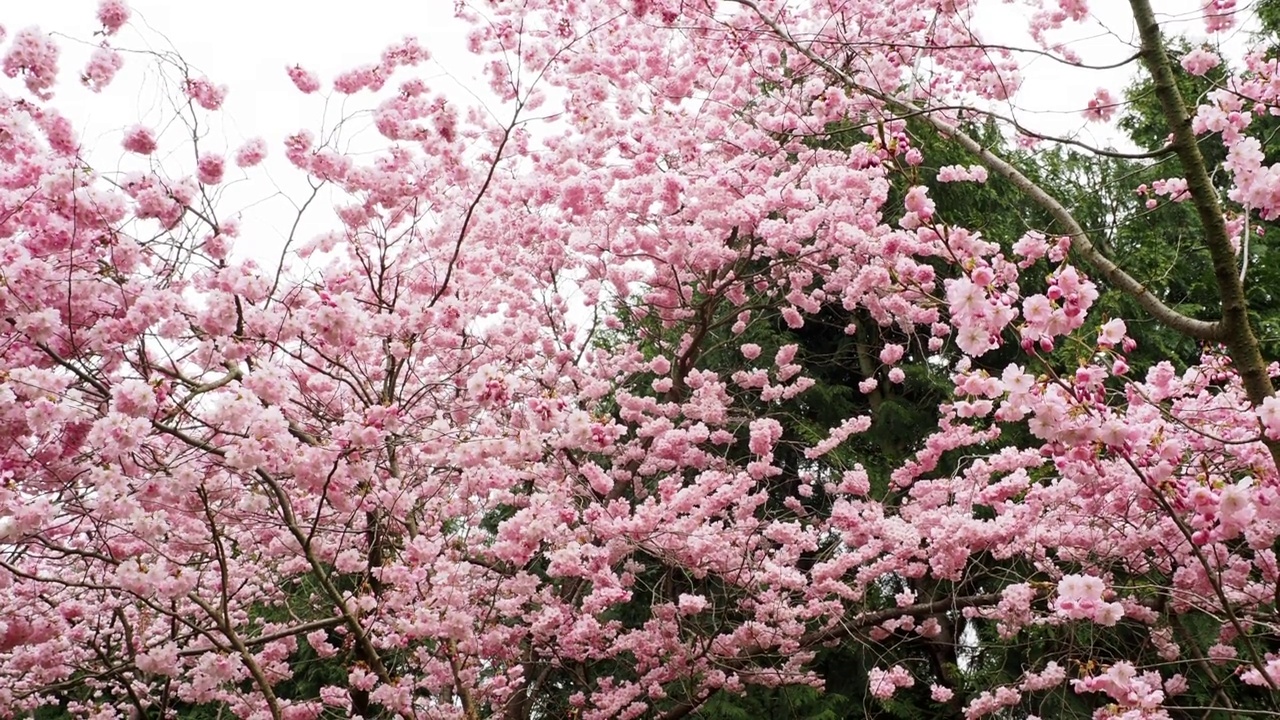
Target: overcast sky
247	44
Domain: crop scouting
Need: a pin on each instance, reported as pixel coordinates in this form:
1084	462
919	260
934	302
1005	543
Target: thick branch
357	630
250	662
1113	273
1237	333
1236	330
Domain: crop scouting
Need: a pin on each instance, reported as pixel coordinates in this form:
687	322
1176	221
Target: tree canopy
749	359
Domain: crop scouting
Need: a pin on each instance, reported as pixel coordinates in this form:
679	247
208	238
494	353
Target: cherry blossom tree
516	436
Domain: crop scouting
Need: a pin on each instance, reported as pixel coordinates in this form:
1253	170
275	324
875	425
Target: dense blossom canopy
478	447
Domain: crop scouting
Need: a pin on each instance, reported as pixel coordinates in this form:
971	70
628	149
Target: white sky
247	44
1053	94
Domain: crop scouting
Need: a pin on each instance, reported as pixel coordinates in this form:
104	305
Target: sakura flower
39	325
1129	688
793	318
965	297
102	67
1253	677
135	398
1235	508
34	56
161	660
691	604
319	641
1031	246
251	153
918	202
974	339
1219	15
1016	381
989	702
1269	415
884	683
891	353
1037	310
1075	9
765	433
353	81
206	94
139	139
1111	333
303	79
1052	676
488	386
1114	433
960	173
350	560
1200	61
59	132
1109	614
1081	597
113	14
209	169
1101	107
406	53
1222	652
298	148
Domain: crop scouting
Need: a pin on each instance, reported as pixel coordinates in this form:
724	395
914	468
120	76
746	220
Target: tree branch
1114	274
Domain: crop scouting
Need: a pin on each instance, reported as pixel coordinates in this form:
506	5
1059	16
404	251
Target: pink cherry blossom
102	67
1075	9
1269	414
34	57
1112	333
1082	597
251	153
1102	107
205	93
140	139
305	80
884	683
494	431
209	169
1200	61
113	14
1219	15
959	173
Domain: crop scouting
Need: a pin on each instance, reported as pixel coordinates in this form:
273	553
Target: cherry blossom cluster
478	436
